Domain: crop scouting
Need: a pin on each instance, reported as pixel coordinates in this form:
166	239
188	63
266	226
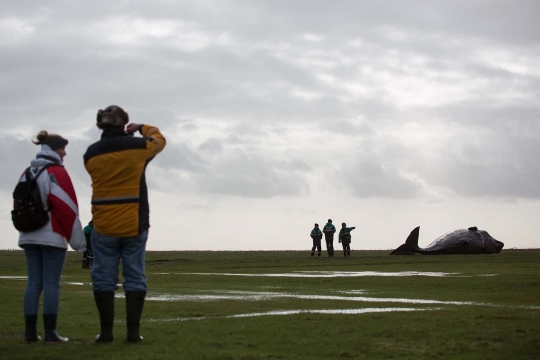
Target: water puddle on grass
83	283
303	311
79	283
350	292
331	311
333	274
265	296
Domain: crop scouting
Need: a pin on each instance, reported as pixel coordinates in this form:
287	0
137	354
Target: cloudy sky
278	114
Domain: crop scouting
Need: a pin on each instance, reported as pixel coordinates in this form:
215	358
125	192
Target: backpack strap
29	173
29	176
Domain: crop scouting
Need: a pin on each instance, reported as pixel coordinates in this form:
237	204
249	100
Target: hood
45	157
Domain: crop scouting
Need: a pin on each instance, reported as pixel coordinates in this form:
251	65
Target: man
345	238
120	212
329	230
88	255
316	235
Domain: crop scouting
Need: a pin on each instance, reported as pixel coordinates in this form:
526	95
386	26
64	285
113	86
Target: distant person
120	210
329	230
345	238
316	235
45	248
88	255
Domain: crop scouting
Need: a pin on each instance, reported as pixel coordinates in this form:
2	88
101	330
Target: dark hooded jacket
329	230
316	234
345	234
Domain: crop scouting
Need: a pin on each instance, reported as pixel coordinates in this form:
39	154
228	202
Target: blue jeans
107	254
45	265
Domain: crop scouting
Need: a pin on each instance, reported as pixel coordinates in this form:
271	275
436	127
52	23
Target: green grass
502	323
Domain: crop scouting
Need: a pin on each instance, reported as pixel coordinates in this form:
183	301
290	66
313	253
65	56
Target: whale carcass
463	241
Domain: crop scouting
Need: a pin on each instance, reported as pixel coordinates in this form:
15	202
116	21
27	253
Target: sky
385	115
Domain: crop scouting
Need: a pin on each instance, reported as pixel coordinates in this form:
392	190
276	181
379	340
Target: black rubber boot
134	307
30	330
49	321
105	304
348	252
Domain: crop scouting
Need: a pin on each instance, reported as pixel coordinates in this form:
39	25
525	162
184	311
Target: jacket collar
46	157
113	132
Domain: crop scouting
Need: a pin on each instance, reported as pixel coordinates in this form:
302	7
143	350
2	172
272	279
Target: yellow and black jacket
117	165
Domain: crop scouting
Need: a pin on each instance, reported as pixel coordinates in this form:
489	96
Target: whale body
463	241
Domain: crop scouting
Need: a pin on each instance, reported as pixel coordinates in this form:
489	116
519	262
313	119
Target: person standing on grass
88	255
329	230
345	238
120	213
45	248
316	235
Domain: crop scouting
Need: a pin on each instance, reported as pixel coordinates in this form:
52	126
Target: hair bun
41	136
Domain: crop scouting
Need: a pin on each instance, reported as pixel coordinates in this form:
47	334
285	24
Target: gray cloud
275	78
16	155
279	105
370	178
494	161
252	175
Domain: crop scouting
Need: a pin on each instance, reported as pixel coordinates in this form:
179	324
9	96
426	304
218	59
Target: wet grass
503	322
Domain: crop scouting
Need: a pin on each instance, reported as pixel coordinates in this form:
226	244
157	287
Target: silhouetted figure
88	255
316	235
329	230
345	238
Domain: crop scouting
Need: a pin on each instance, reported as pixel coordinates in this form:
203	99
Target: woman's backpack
28	213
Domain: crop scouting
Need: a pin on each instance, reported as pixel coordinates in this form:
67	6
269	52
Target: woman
46	247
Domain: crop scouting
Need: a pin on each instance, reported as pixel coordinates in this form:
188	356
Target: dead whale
463	241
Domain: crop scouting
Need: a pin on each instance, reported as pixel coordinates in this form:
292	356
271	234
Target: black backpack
28	213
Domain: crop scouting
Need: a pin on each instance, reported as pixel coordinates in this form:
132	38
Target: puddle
265	296
304	311
79	283
331	312
350	292
334	274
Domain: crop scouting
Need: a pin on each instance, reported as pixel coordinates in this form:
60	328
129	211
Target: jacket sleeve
155	141
64	209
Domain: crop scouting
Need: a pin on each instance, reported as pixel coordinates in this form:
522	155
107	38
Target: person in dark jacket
88	255
316	235
329	230
120	214
345	238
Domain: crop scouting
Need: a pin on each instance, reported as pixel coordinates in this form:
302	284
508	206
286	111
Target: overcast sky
278	114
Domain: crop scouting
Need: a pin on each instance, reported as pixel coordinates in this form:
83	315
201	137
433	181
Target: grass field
287	305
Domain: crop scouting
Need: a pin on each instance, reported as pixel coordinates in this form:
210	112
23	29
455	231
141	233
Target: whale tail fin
411	244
